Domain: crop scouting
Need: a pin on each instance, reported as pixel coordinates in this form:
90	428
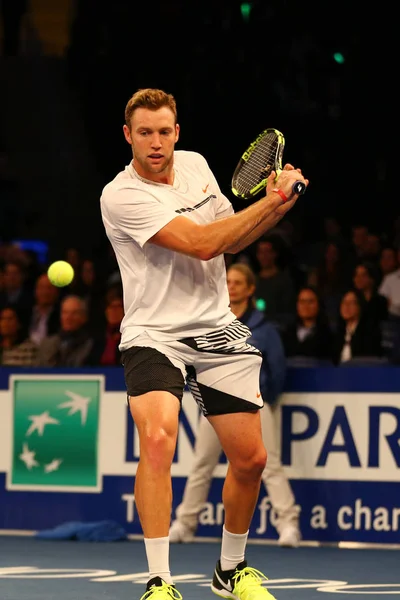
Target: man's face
46	293
72	316
9	324
266	255
152	136
238	288
13	278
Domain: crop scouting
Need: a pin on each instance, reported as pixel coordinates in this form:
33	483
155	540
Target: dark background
68	68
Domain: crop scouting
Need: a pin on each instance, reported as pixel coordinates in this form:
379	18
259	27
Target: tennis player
170	225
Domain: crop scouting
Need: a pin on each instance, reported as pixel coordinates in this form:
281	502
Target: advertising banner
69	452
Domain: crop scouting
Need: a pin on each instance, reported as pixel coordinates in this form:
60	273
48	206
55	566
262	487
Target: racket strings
259	165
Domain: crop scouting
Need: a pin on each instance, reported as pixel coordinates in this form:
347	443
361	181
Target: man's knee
157	445
156	416
250	465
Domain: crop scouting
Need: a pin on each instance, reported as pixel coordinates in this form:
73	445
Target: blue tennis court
33	569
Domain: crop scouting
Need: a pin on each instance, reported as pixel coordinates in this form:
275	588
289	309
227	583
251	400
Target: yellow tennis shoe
157	589
242	583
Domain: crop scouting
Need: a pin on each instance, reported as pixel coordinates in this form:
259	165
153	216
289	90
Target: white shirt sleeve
384	288
224	207
136	213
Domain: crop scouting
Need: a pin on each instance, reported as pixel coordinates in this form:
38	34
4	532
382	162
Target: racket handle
299	187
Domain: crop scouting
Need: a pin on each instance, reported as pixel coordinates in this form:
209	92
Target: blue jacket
266	338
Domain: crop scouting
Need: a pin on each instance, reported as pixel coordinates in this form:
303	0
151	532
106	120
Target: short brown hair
152	99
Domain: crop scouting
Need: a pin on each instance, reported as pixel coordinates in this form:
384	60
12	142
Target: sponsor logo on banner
55	433
341	437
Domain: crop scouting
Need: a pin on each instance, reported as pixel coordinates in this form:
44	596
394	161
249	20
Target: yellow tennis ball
60	273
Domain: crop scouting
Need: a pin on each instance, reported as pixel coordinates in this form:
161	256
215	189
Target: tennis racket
262	157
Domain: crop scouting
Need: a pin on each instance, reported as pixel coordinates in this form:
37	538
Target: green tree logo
55	433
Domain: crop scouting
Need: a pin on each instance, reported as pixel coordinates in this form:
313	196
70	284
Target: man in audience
45	317
70	347
16	292
390	288
274	284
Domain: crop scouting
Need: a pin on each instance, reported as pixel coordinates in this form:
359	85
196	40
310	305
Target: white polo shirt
390	288
168	295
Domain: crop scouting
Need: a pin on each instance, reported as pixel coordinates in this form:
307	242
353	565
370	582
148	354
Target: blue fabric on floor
99	531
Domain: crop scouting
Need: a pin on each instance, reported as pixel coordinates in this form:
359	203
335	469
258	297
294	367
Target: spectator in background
333	230
105	351
90	288
365	280
16	349
390	288
388	262
71	346
16	292
274	283
359	241
45	318
372	249
356	336
265	337
310	336
74	258
330	279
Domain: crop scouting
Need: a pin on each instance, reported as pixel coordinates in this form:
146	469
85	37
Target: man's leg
156	417
240	436
206	455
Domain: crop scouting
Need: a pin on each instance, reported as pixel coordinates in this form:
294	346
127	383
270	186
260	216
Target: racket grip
299	187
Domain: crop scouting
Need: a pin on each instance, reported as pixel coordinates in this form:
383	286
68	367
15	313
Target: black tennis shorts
220	368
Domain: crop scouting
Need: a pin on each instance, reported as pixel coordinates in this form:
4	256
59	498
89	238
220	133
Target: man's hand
285	182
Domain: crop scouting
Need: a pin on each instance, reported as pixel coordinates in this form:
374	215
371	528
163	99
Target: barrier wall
69	452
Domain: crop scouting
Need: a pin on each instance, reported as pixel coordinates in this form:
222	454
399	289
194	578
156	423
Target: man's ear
127	134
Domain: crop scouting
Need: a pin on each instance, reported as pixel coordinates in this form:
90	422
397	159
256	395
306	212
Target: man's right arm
231	234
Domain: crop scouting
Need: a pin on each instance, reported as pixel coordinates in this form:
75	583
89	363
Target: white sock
232	549
157	551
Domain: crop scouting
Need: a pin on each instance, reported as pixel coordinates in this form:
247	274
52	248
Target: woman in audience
90	288
330	279
16	349
356	336
310	336
105	351
365	280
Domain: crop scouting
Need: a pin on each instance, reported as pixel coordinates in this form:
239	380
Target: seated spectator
390	288
356	336
330	279
105	351
90	287
45	318
16	349
365	279
71	346
310	336
387	261
16	292
274	284
373	248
